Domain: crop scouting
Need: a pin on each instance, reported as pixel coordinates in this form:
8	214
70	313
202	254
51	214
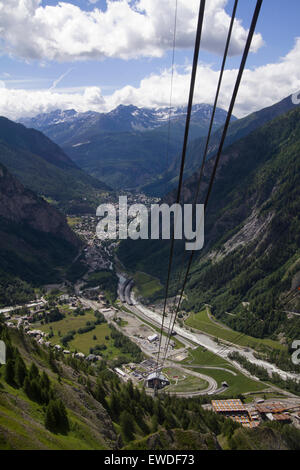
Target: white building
152	338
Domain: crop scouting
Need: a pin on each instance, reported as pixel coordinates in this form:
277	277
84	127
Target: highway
38	303
201	339
137	309
212	387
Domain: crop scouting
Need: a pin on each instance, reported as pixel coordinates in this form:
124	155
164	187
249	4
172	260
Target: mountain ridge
123	118
36	243
128	146
42	166
237	130
252	245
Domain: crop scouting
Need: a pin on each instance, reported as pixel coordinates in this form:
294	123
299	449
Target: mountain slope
128	146
252	230
101	412
237	130
22	412
36	243
43	167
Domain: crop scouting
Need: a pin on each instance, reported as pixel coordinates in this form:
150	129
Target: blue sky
95	55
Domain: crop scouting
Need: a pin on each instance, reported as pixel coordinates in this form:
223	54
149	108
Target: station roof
157	375
281	417
271	408
228	405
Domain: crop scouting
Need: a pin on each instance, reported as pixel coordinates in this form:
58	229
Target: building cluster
137	372
42	338
252	415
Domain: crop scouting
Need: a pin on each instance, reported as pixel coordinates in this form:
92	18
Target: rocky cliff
22	206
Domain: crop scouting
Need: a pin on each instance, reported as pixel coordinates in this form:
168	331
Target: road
201	339
38	303
210	390
212	387
134	307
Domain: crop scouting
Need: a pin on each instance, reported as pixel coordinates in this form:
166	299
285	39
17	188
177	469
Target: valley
149	228
129	146
104	290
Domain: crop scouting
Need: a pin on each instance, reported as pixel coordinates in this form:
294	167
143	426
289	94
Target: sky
98	54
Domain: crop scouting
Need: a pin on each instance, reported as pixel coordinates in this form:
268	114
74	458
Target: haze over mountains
128	146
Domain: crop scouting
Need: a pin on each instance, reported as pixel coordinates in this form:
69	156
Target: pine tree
154	423
170	422
50	420
9	375
63	421
127	425
20	371
56	418
114	406
100	395
33	371
45	382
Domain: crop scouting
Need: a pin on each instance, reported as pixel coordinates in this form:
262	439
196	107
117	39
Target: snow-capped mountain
128	146
63	126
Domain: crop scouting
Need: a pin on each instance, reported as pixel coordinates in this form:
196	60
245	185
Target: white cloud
15	103
260	87
127	29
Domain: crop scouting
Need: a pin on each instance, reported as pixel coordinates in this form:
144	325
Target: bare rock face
21	205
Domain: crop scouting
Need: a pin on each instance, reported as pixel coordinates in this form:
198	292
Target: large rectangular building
235	410
228	406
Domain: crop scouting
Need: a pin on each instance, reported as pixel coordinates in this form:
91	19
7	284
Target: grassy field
203	357
202	322
146	285
181	382
69	323
238	383
189	384
82	342
173	374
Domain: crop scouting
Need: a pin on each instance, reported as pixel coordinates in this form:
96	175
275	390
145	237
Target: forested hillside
43	167
36	244
238	129
250	259
128	146
49	401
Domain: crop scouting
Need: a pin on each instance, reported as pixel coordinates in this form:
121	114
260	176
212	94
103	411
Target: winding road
201	339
